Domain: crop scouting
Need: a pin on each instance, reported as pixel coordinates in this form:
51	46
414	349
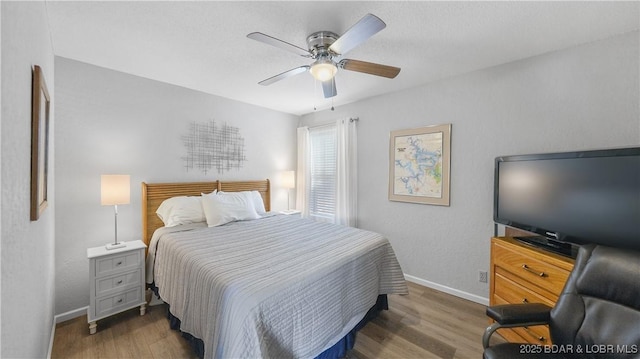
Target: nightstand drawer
118	282
112	304
117	263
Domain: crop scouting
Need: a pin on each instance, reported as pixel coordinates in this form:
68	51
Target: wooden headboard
154	193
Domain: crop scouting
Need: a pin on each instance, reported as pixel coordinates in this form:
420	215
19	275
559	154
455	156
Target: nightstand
116	281
292	212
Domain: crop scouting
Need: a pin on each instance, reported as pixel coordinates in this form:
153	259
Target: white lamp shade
289	179
115	189
323	70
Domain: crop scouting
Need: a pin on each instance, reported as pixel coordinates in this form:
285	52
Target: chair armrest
515	315
508	314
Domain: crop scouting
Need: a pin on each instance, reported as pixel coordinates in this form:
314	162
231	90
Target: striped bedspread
275	287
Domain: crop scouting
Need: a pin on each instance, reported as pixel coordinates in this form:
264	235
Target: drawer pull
119	282
524	300
119	263
120	300
539	338
540	274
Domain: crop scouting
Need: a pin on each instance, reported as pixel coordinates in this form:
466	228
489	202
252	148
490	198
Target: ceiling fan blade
368	26
270	40
369	68
329	88
276	78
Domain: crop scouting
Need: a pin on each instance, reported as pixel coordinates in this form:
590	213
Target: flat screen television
571	198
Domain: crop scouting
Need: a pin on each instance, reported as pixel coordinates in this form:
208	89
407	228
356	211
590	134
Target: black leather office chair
597	314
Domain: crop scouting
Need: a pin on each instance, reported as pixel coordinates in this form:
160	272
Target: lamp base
111	246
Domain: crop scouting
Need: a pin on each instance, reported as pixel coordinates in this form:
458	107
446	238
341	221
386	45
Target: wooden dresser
521	273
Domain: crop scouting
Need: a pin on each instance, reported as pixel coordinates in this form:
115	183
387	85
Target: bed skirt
339	350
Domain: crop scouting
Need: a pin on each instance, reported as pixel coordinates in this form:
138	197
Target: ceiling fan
327	49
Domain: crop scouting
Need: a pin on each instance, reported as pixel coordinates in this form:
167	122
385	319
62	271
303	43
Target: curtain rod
351	119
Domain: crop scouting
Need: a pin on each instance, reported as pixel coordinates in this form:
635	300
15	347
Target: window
322	168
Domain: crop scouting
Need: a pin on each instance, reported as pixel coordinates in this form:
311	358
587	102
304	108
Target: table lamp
115	190
288	182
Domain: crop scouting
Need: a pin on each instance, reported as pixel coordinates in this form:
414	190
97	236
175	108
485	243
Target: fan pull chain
315	93
333	81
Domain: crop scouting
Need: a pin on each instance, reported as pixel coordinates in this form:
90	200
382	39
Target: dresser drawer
118	282
513	292
509	292
538	334
507	333
114	303
118	263
530	268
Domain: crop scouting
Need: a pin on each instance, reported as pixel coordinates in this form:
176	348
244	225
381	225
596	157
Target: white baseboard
53	333
458	293
71	314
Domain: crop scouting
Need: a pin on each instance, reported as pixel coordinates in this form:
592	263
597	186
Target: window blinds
322	196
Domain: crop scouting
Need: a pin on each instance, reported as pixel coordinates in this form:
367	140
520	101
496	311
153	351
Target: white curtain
347	172
302	190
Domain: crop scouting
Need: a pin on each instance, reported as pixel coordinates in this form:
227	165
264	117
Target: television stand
558	247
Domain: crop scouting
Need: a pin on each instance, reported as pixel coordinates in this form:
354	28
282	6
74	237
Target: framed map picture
419	165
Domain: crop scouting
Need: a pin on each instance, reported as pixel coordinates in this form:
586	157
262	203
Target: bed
275	286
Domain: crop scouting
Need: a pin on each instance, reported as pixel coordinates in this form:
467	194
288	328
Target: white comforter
276	287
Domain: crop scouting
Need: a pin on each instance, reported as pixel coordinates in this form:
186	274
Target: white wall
114	123
585	97
27	247
0	186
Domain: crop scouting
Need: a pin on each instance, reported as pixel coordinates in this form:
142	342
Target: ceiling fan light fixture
327	50
323	70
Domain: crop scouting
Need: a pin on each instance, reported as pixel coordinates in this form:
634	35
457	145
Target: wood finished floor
425	324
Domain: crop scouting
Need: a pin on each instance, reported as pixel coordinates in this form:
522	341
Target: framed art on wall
419	165
40	104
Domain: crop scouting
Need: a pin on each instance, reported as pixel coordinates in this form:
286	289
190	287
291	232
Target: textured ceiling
203	45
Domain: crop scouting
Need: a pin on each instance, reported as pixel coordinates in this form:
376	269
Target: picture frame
420	165
40	107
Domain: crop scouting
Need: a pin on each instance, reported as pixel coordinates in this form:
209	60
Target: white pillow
255	197
258	204
227	207
181	210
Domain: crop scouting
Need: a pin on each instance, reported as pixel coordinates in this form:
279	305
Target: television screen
577	197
